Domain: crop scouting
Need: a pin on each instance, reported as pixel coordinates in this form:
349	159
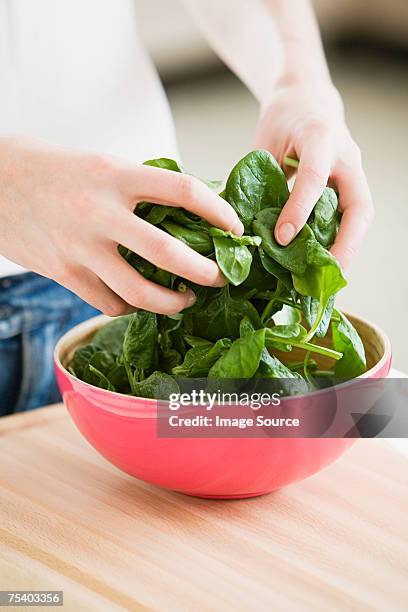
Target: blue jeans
34	313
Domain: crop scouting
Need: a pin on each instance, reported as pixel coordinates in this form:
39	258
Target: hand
305	121
63	214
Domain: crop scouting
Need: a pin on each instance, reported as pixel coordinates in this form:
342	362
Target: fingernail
238	228
285	234
191	298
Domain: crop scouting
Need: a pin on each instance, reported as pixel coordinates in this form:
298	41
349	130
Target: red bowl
124	430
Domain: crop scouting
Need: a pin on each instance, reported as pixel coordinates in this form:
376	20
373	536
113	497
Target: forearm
263	41
302	47
243	34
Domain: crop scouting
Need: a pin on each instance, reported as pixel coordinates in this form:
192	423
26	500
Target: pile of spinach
276	298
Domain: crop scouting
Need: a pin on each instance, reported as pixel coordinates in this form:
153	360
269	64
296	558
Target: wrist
301	77
297	88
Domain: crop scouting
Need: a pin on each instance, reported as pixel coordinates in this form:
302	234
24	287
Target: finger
92	290
165	251
178	189
312	176
137	291
358	212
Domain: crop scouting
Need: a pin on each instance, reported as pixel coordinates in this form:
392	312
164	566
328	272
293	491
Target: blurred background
367	47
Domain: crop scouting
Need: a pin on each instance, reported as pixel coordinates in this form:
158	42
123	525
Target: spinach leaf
256	182
271	367
246	327
157	214
170	360
315	272
163	278
292	330
166	327
197	239
99	379
257	279
99	364
118	378
282	337
310	307
188	219
324	279
221	315
191	358
165	163
196	341
287	315
232	254
199	359
169	345
242	359
234	260
157	386
293	256
144	267
240	240
290	382
110	337
140	341
324	219
347	341
278	271
81	359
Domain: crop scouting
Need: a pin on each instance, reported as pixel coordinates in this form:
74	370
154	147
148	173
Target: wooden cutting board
70	521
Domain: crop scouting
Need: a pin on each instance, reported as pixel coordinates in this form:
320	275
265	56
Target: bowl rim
95	323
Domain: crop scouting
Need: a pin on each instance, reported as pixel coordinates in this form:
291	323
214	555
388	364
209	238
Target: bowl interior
376	343
78	336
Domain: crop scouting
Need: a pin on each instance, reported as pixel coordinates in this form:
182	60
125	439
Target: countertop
70	521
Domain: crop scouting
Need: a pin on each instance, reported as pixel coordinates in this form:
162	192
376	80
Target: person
81	108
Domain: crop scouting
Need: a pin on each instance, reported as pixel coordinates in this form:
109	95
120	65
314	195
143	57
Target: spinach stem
269	307
306	370
289	303
298	365
306	346
263	294
319	316
130	376
315	348
289	161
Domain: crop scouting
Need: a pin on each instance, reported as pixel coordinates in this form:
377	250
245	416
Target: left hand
307	122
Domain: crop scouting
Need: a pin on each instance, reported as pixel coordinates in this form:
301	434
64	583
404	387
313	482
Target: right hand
63	214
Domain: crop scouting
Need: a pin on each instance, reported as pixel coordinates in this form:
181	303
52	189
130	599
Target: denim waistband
7	282
28	300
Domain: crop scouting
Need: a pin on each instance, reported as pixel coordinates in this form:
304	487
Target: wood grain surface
70	521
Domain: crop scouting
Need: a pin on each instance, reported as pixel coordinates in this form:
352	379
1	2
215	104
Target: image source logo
229	408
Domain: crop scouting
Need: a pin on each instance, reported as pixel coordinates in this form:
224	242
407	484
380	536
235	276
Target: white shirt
75	73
